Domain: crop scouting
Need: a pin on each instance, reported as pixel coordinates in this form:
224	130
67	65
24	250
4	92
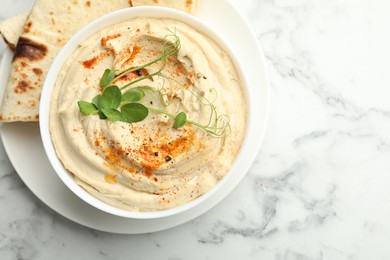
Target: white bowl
245	158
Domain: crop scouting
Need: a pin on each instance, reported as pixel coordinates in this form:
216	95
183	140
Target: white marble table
320	186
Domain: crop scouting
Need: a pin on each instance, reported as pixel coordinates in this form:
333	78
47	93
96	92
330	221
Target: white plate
24	147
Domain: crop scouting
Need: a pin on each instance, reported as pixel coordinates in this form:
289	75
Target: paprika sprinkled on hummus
148	165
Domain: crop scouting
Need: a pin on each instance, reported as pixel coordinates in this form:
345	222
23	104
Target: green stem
164	112
197	124
140	79
160	111
135	69
163	57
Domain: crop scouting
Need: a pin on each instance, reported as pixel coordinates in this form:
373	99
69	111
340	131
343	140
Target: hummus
148	165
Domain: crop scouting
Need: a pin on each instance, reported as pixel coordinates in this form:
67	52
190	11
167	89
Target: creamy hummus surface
148	165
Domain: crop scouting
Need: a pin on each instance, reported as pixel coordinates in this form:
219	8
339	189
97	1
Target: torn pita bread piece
188	6
12	28
48	27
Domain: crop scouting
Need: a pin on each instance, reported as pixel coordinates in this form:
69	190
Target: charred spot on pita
27	27
37	71
27	48
22	87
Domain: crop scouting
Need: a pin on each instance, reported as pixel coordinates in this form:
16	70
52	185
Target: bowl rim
243	159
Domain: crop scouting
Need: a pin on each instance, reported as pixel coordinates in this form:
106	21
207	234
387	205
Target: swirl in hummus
149	165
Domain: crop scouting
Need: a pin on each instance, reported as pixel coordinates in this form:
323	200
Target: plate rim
266	89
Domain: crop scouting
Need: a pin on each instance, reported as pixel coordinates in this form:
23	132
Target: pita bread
48	27
188	6
12	28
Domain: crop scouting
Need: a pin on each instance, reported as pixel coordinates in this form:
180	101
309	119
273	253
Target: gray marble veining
319	188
